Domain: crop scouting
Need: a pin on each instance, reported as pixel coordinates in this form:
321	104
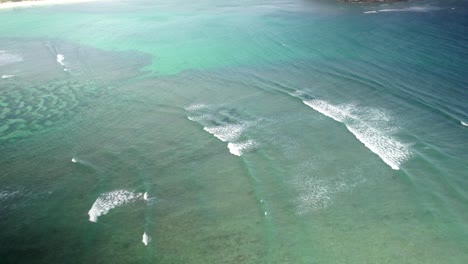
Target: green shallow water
260	131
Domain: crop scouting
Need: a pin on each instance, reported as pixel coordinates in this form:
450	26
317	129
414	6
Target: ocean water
253	131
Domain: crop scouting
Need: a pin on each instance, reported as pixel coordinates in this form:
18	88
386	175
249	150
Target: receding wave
370	126
108	201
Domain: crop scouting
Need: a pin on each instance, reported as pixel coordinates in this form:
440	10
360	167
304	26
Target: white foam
198	118
8	58
107	201
195	107
463	123
313	195
74	160
239	148
226	133
60	59
411	9
145	196
370	12
370	126
7	76
146	239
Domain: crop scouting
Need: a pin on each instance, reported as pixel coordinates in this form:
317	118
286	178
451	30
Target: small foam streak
7	76
146	239
369	127
198	118
370	12
108	201
195	107
74	160
411	9
463	123
60	59
4	194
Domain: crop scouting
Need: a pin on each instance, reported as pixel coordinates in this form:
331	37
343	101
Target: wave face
108	201
370	126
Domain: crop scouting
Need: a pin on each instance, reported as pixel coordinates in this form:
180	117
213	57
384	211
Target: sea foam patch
60	59
370	126
8	58
226	124
316	192
411	9
110	200
240	148
227	132
195	107
7	76
146	239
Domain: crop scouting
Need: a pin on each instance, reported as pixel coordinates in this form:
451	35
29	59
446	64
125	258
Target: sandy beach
8	5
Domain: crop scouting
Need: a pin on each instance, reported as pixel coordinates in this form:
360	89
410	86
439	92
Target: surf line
389	150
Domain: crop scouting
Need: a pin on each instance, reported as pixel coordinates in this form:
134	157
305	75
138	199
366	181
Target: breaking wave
60	59
226	133
226	124
241	147
146	239
108	201
370	126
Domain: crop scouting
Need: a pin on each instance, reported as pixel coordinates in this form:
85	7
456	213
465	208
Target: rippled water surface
251	131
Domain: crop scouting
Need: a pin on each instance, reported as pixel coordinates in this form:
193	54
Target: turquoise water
234	132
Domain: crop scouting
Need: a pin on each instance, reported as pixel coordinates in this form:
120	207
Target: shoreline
34	3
